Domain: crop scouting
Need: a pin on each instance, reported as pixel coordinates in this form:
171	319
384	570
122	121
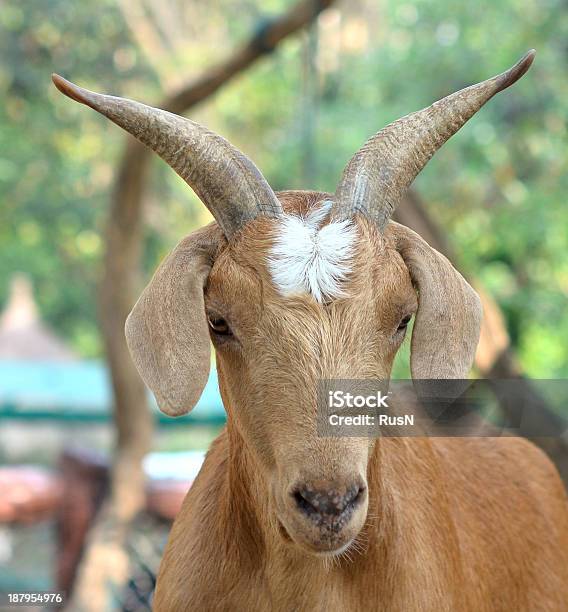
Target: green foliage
55	160
497	187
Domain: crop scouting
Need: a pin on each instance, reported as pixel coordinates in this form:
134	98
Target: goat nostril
334	501
303	503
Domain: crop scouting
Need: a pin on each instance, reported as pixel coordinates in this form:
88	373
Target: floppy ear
448	321
167	331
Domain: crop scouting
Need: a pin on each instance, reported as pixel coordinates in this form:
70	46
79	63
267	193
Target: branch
267	37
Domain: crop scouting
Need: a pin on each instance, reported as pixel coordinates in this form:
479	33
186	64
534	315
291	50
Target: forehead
305	257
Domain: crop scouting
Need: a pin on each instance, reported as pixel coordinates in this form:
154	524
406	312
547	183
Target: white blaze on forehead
307	259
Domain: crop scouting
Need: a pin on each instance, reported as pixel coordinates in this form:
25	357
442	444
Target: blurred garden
86	217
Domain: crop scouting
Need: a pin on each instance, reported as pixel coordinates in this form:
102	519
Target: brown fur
447	524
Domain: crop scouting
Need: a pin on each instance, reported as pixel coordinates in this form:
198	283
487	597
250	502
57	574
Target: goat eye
219	326
404	323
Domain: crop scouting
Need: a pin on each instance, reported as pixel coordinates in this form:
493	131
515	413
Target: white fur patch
307	259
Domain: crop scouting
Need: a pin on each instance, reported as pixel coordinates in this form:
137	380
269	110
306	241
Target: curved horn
378	175
226	181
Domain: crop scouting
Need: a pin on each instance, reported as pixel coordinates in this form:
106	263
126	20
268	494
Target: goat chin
335	553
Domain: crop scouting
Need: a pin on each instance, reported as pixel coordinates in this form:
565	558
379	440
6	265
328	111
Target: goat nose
325	498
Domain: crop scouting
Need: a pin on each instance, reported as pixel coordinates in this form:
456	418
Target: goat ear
448	321
167	330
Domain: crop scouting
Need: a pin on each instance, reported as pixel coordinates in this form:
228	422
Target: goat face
290	302
274	343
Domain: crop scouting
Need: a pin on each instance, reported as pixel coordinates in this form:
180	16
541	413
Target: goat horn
378	175
226	181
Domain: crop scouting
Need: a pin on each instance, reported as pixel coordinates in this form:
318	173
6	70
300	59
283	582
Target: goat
298	286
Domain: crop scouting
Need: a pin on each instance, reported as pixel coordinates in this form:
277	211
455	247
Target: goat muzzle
324	516
328	502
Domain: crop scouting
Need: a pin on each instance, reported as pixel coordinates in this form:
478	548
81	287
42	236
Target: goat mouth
322	527
323	547
317	541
